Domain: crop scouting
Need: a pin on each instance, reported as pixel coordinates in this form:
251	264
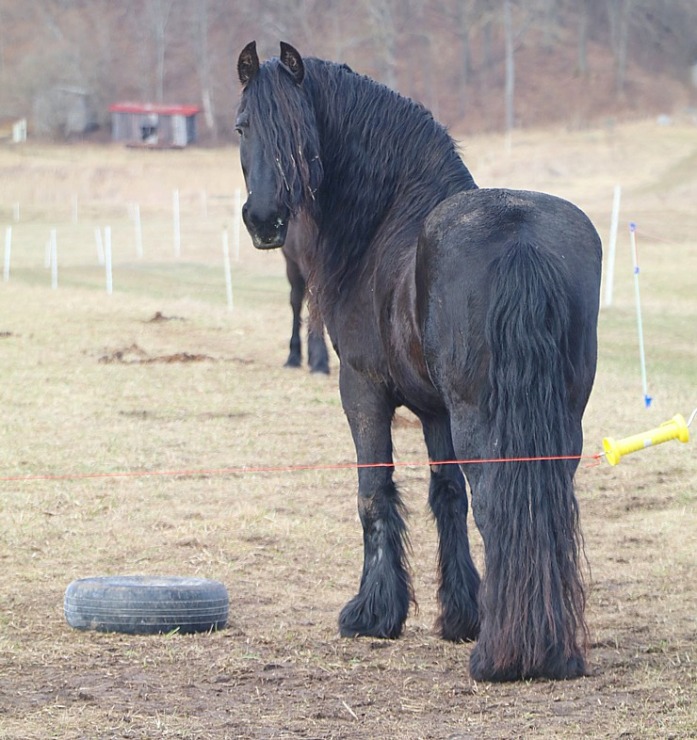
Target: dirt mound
135	355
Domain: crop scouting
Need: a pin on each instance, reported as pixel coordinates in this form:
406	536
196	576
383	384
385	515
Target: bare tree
384	33
201	35
619	15
583	23
467	15
158	15
549	17
487	43
510	65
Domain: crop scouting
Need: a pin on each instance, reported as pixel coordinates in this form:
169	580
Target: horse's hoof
354	622
566	668
364	631
458	630
293	362
483	669
324	369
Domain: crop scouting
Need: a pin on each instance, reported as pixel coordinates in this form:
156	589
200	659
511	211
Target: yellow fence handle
675	428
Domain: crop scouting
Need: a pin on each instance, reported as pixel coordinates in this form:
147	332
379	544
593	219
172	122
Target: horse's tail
532	596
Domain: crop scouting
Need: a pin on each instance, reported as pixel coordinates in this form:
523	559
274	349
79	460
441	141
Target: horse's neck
381	164
386	165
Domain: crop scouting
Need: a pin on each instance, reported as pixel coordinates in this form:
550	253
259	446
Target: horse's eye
241	124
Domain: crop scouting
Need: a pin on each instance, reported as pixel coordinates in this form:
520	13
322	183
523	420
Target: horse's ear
248	63
293	62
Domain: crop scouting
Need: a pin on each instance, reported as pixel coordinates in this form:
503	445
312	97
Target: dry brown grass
288	544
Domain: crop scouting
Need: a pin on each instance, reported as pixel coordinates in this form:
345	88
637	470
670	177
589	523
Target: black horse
476	309
296	244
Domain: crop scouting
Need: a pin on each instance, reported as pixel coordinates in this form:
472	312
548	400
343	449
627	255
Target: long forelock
288	134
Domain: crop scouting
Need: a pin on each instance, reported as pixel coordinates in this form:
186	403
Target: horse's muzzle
266	234
268	242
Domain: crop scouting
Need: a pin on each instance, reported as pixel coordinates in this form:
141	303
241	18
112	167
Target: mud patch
135	355
159	318
145	415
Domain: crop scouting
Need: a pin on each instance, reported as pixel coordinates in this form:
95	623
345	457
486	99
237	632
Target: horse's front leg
380	607
459	579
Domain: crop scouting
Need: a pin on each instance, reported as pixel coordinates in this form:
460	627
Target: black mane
380	152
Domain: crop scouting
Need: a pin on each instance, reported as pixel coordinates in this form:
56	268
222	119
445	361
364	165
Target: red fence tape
244	470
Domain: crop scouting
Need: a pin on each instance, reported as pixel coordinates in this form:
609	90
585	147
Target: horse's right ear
248	63
293	62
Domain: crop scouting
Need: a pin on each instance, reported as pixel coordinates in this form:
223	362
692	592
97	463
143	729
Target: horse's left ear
248	63
293	62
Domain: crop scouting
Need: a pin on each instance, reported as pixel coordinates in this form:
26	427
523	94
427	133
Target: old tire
146	605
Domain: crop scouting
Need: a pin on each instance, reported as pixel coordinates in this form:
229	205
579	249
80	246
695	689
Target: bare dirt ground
125	435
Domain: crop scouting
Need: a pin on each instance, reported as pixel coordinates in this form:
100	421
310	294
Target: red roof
157	108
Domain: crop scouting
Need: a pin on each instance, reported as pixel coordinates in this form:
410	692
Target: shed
153	124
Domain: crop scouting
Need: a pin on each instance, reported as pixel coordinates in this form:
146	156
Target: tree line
452	55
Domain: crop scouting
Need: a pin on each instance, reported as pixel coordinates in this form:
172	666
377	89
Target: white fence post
8	254
107	260
53	251
612	247
138	230
236	224
177	224
226	267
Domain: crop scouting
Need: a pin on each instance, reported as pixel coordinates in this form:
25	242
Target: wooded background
478	64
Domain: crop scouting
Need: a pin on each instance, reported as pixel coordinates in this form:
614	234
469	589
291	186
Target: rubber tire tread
146	605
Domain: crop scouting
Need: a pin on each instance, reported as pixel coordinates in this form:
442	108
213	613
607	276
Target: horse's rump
462	242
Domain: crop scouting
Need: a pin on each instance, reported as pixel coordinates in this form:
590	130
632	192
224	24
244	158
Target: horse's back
477	225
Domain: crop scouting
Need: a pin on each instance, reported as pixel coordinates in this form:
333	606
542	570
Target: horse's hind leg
317	355
459	580
380	607
297	293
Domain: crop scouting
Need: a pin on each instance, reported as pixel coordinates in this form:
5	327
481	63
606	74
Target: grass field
120	412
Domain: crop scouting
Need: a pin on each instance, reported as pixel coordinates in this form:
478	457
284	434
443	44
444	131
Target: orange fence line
242	470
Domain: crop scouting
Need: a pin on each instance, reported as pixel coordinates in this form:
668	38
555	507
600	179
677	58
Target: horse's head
279	144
